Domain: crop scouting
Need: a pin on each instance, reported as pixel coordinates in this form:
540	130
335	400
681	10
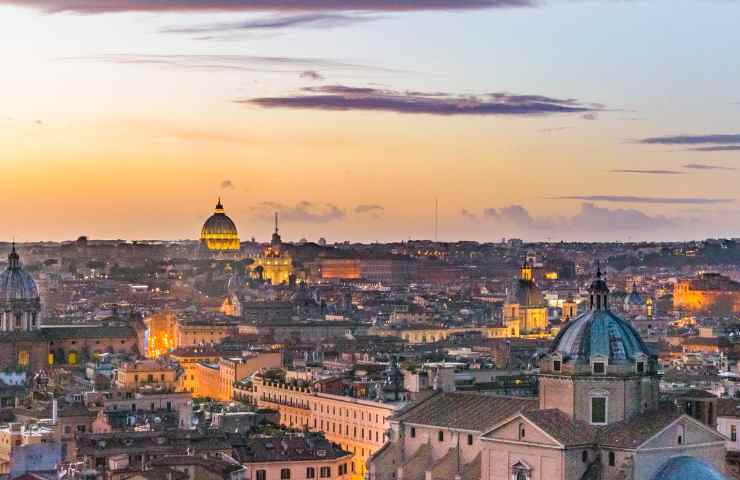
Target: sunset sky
559	119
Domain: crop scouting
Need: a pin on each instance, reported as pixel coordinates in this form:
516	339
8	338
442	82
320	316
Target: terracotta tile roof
559	426
728	407
465	411
636	431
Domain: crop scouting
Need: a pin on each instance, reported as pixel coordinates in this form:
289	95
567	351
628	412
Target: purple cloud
112	6
345	98
277	22
719	139
302	212
651	200
648	172
311	75
701	166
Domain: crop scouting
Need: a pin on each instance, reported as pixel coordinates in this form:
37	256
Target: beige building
357	426
216	380
146	373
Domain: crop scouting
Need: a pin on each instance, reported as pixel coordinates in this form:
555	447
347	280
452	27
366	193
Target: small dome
634	299
219	232
526	293
15	283
688	468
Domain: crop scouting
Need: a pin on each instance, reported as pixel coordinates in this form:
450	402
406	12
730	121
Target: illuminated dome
219	232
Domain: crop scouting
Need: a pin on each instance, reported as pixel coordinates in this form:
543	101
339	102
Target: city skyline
128	119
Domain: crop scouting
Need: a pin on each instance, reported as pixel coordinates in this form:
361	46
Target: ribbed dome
219	231
688	468
599	332
16	285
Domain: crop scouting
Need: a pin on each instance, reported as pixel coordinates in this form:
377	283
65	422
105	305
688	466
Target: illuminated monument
274	264
525	305
219	237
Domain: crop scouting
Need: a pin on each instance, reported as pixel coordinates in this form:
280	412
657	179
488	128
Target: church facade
597	417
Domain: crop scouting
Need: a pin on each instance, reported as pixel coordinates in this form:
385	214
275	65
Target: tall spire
276	240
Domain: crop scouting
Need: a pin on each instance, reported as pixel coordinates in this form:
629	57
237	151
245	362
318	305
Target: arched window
521	431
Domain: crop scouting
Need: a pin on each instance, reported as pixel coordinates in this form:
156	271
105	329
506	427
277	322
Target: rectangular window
470	439
733	433
413	432
325	472
640	367
598	410
599	367
441	436
310	472
556	365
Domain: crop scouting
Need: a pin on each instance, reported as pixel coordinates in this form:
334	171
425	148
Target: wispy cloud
311	75
692	139
227	185
717	148
111	6
239	63
302	212
373	210
344	98
648	172
647	200
276	22
554	129
469	216
701	166
591	221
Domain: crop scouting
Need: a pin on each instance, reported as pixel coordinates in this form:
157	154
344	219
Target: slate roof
465	411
